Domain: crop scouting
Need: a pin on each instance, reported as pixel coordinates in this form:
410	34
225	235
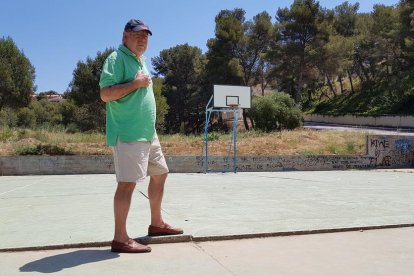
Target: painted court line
18	188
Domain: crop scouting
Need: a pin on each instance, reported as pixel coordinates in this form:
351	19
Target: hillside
365	104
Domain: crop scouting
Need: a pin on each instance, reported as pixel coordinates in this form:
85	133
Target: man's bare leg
122	203
158	226
155	195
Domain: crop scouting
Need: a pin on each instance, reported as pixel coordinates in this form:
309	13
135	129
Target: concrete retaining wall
391	151
38	165
381	121
382	152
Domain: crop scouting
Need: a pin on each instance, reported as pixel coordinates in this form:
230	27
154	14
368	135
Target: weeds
214	136
42	149
6	134
350	146
297	142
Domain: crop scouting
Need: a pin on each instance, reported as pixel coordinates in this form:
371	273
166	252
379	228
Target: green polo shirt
131	118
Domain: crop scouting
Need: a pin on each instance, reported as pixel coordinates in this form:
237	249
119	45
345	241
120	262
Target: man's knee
161	177
126	187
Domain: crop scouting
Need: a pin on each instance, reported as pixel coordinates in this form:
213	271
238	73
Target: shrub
6	134
42	149
47	113
23	133
8	118
68	111
275	111
26	118
90	118
72	128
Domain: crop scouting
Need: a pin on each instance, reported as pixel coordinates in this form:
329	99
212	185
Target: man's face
137	42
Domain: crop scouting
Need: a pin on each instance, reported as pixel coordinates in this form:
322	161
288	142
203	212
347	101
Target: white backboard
227	95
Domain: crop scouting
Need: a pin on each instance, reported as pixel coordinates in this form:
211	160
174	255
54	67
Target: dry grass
297	142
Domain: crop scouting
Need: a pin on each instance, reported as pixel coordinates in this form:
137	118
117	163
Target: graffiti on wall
390	151
382	152
288	163
403	145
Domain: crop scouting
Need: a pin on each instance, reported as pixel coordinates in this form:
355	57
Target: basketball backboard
230	96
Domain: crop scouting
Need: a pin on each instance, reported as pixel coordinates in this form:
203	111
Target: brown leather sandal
164	231
130	246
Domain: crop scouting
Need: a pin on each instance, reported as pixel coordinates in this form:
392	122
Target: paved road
364	129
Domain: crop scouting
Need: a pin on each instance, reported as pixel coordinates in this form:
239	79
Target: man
126	88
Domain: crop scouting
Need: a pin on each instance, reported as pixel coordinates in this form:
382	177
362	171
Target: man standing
126	88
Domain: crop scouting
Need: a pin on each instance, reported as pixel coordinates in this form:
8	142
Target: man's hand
142	80
118	91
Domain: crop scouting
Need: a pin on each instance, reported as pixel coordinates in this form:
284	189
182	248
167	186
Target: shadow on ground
68	260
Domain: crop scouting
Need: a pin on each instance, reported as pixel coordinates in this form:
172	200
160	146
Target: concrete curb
190	238
298	233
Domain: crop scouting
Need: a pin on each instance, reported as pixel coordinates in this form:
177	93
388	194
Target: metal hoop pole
235	113
206	140
208	114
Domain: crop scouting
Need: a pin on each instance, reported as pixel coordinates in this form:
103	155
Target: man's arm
118	91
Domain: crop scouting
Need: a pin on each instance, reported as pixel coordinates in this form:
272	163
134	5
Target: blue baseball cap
136	25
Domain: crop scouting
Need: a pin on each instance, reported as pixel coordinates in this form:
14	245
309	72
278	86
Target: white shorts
134	161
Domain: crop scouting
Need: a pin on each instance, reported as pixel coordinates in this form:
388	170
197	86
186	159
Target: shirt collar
128	52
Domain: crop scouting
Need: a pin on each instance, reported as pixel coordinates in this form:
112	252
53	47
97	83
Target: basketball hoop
231	99
233	106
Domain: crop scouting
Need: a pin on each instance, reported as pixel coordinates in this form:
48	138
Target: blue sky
56	34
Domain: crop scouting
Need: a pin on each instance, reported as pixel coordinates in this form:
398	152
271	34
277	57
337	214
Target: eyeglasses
140	35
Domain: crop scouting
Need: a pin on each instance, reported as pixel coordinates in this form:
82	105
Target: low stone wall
380	121
382	152
38	165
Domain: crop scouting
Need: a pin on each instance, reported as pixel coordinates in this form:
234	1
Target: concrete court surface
376	252
38	211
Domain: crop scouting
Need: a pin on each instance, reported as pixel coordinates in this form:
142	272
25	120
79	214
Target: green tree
26	118
88	117
385	33
223	66
329	63
84	91
253	47
237	54
46	113
8	117
406	16
17	75
84	87
161	103
297	39
182	67
252	52
260	33
405	80
346	18
68	110
275	111
377	49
